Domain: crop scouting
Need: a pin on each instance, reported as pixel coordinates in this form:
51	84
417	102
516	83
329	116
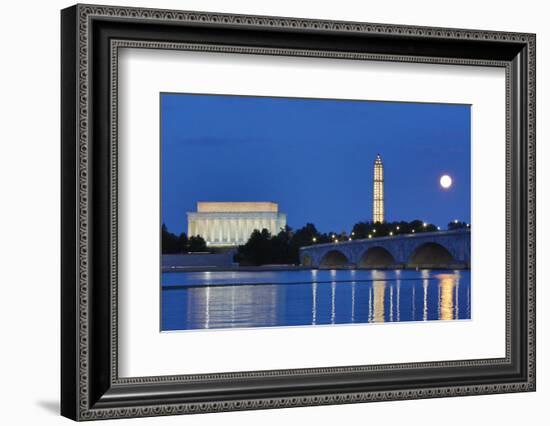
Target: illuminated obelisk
378	192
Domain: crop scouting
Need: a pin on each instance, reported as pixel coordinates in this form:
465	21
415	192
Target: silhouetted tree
361	230
456	224
257	250
324	238
305	236
182	242
196	243
171	243
280	247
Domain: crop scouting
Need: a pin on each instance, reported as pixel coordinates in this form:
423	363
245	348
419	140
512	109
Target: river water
243	299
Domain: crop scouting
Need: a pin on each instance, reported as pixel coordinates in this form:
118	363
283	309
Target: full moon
445	181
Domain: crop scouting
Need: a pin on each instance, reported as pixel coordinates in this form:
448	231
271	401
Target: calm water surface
238	299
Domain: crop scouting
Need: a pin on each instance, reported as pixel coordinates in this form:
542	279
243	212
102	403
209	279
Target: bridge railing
390	237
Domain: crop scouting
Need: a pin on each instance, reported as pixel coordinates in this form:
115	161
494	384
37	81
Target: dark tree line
262	248
364	229
179	244
456	224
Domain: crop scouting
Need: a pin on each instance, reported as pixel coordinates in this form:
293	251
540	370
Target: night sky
314	157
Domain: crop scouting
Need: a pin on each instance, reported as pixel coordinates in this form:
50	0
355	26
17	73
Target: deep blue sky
314	157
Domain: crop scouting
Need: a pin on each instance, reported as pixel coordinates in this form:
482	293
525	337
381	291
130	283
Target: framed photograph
263	212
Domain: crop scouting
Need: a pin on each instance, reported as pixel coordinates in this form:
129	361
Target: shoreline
275	268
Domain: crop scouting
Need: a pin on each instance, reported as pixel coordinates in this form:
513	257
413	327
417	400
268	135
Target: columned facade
231	223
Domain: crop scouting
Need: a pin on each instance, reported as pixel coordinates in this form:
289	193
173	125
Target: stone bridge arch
333	258
430	254
376	257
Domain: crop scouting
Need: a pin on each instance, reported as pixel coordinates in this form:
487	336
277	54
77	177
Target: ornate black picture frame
91	36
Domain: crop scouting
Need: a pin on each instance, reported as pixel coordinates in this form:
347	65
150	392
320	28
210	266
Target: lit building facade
378	191
226	224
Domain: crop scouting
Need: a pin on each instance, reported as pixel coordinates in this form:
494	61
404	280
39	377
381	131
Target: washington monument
378	191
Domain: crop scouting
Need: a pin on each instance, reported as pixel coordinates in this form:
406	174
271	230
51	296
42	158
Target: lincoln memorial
231	223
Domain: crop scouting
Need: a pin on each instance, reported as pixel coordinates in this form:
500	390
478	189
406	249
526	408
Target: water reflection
446	296
232	306
379	292
214	300
353	301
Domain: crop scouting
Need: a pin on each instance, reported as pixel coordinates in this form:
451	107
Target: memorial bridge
441	249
